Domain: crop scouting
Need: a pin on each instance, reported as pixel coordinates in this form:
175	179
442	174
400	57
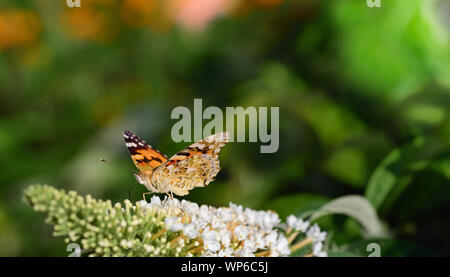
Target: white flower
252	216
210	240
204	213
259	240
314	232
238	211
317	247
244	252
271	238
227	252
297	223
217	223
241	232
155	201
281	247
190	231
270	220
225	214
302	225
199	223
171	202
173	224
189	207
250	244
209	254
142	203
291	221
225	237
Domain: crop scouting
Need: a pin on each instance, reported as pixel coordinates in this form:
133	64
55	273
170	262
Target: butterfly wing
143	155
208	146
194	166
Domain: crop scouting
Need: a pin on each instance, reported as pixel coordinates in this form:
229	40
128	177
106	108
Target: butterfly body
194	166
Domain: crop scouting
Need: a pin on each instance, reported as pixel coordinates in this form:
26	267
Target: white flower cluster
318	239
233	231
313	232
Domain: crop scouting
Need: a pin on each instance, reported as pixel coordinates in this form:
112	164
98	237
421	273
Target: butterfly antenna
105	161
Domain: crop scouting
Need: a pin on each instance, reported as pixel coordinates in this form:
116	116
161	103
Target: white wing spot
189	170
200	146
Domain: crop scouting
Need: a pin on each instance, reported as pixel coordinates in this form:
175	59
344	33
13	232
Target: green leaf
356	207
397	171
441	164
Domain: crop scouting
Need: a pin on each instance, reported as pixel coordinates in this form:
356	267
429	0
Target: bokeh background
364	97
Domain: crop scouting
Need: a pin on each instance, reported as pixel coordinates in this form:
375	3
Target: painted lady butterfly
194	166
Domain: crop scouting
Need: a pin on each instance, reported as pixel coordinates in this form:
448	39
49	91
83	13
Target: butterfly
194	166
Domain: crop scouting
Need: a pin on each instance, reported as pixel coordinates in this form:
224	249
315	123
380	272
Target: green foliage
397	170
356	207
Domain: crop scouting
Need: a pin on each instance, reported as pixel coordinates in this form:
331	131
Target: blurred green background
364	97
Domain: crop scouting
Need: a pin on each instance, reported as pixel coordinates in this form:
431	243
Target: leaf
356	207
441	163
397	170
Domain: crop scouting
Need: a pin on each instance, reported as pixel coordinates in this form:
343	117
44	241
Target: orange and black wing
208	146
143	155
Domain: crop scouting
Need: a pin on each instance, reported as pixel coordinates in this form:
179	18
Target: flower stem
157	235
292	237
263	254
300	244
196	250
172	242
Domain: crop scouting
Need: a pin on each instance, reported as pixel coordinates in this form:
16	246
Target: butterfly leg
167	195
145	193
170	195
